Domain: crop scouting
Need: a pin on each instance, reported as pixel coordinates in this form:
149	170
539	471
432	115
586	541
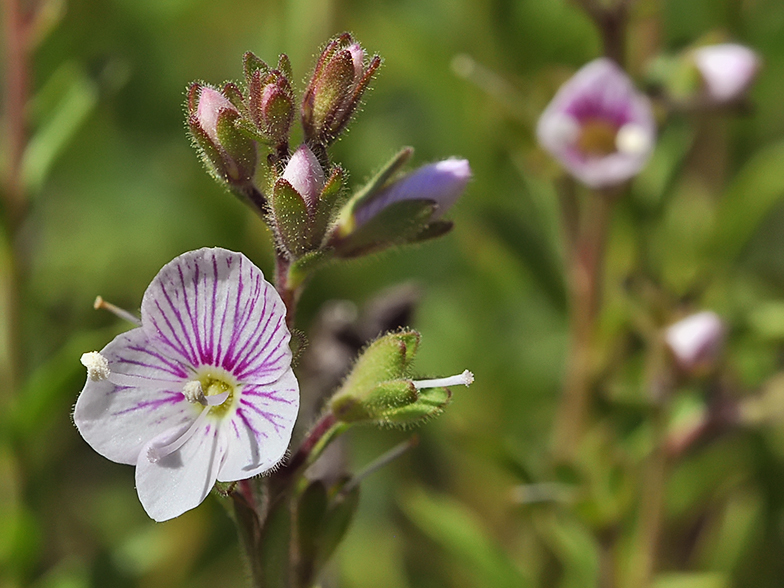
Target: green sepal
290	217
398	223
429	404
307	264
328	202
210	154
332	90
284	65
384	175
248	129
377	404
376	382
251	63
434	230
241	150
234	95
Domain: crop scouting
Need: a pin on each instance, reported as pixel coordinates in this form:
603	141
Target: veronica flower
442	182
202	391
598	126
727	69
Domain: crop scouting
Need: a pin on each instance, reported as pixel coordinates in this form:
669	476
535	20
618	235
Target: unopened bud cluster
243	133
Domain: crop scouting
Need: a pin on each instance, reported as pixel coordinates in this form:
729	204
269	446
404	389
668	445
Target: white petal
213	307
181	480
599	90
728	69
117	420
260	428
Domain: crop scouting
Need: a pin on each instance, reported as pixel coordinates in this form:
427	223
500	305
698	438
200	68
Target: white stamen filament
632	139
97	366
464	379
157	453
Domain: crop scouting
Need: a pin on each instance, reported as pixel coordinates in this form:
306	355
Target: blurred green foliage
119	192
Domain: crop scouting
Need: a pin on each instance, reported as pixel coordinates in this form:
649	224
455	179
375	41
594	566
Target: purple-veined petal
117	420
259	431
181	480
442	182
213	307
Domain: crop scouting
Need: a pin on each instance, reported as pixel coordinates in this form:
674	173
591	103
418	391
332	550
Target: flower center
597	138
214	393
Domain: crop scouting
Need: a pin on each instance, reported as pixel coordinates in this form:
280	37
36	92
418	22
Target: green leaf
336	523
311	511
753	192
290	216
63	104
462	535
398	223
693	580
274	545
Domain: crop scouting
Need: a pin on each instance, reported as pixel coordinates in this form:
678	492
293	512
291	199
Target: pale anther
97	366
632	139
193	392
464	379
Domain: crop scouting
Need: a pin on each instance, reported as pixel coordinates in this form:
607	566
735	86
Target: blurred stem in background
586	260
17	56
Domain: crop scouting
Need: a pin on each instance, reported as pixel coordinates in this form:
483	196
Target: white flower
202	391
598	126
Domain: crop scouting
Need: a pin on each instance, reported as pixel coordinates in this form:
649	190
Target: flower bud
696	341
727	70
305	175
441	182
598	126
228	152
335	89
271	105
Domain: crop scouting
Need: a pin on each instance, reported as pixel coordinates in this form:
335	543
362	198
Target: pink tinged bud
728	69
696	341
305	174
442	182
598	126
211	104
358	58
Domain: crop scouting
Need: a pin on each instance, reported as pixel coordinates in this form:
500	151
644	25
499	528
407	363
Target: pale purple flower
727	70
305	174
696	341
202	391
211	104
443	182
599	126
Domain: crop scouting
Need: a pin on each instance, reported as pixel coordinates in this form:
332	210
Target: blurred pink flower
728	69
696	341
202	391
598	126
